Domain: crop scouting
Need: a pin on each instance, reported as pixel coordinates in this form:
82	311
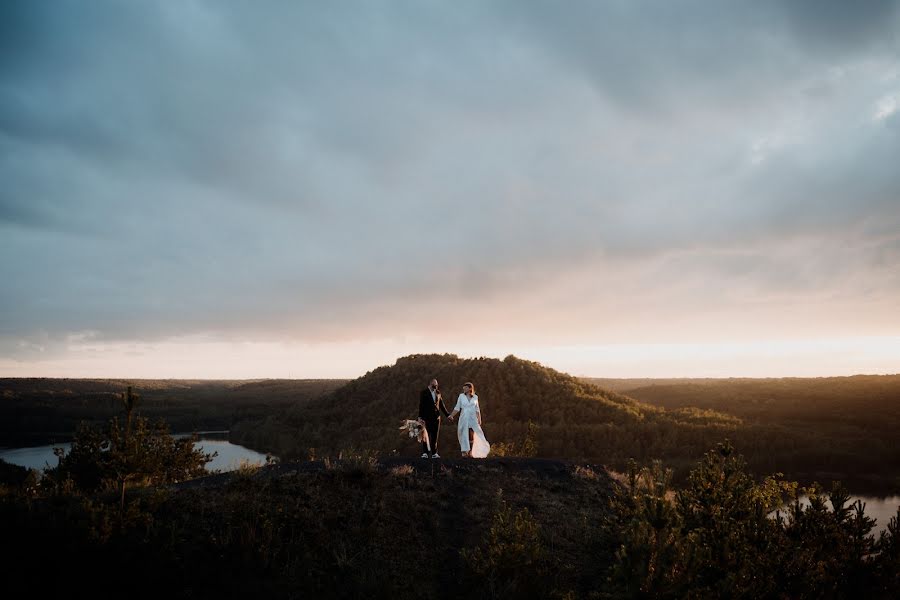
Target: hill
811	428
575	420
36	411
866	399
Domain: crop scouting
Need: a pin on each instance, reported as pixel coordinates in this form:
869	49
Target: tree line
810	429
40	411
574	419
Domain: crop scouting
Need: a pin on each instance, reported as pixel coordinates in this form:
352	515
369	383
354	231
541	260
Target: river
230	456
879	508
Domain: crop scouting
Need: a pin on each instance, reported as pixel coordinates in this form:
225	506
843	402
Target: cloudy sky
312	189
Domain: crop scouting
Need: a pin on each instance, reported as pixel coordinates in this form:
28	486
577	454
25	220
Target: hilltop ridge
812	430
575	419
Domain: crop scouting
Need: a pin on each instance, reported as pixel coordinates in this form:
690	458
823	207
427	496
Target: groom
430	407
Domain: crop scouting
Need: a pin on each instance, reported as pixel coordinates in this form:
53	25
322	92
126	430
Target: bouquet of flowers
416	429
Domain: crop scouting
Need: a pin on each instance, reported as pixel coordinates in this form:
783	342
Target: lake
229	458
880	509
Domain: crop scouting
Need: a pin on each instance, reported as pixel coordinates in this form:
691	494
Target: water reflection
230	456
880	509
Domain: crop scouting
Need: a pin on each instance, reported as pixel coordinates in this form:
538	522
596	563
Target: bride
470	420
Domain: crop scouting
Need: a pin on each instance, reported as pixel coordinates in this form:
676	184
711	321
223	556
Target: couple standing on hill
471	438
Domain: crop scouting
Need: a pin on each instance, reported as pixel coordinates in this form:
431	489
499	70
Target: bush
723	535
511	563
112	458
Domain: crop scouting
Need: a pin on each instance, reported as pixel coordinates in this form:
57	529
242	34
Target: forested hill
35	411
811	428
575	419
870	400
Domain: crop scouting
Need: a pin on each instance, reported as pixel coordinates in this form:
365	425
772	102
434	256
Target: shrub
511	563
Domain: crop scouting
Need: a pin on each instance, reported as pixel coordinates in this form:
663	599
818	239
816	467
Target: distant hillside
810	429
813	428
576	420
37	411
623	386
854	398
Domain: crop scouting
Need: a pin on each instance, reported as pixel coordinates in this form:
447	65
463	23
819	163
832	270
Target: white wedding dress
468	419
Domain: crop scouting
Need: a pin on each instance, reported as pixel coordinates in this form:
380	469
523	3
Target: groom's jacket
429	410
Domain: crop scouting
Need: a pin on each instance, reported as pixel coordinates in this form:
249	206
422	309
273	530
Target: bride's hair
471	387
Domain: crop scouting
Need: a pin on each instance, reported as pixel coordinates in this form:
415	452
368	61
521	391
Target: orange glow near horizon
192	358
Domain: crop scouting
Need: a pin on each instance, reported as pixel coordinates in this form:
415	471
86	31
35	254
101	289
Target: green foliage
816	429
362	532
385	533
111	458
129	401
833	546
527	409
12	475
811	429
887	558
45	411
717	537
576	420
353	461
728	537
512	561
650	558
526	448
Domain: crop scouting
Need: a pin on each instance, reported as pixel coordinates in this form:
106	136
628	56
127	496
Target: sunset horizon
634	361
210	189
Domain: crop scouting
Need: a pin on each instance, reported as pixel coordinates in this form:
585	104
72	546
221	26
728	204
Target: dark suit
430	411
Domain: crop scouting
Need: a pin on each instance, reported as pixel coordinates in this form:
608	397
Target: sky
228	189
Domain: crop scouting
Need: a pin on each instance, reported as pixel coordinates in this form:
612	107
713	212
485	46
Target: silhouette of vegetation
138	453
822	429
358	522
342	531
48	411
810	429
569	418
528	409
12	475
512	561
726	535
511	528
527	448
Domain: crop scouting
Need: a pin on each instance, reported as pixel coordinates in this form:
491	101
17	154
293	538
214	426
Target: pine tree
138	453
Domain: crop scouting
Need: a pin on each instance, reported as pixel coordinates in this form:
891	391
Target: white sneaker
435	455
424	455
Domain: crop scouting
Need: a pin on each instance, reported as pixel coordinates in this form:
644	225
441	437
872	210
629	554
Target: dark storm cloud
837	27
303	169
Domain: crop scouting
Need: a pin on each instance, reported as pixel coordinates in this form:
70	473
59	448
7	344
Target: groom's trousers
433	428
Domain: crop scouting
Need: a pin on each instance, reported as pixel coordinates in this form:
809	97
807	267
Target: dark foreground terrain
345	528
357	527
